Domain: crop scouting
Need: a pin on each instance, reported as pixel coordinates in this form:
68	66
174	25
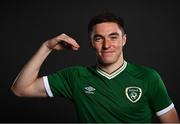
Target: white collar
114	73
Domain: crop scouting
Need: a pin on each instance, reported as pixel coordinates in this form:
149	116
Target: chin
106	62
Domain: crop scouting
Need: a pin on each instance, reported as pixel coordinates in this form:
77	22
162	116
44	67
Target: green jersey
129	94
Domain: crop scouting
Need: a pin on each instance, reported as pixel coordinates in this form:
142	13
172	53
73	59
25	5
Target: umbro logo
89	90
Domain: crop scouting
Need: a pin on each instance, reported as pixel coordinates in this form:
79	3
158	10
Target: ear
124	39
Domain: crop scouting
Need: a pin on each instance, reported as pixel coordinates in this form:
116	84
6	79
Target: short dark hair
106	17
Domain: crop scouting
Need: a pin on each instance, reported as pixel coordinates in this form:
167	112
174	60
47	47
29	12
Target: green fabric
98	99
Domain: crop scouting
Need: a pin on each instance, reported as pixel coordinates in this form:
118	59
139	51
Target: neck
109	68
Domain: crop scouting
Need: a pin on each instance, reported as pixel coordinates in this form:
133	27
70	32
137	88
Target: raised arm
27	83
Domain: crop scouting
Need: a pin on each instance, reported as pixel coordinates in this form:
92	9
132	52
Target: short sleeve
159	98
59	83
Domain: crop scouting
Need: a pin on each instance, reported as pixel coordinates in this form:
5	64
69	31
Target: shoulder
142	71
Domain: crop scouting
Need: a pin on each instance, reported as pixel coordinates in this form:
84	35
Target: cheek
117	45
121	43
96	46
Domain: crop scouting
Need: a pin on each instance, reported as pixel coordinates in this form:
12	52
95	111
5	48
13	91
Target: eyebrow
114	33
97	35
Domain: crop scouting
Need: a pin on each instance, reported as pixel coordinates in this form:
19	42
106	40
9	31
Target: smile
107	53
104	52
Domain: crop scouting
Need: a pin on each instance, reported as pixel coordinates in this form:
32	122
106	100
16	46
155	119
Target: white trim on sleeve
165	110
47	87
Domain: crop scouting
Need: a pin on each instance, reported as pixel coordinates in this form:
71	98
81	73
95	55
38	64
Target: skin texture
107	41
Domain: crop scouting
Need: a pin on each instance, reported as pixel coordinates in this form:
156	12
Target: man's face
108	41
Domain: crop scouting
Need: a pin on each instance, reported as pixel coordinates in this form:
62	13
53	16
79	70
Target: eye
113	38
98	39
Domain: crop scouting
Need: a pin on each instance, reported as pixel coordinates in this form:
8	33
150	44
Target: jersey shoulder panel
142	72
62	82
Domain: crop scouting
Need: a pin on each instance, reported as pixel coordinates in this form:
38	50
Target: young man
111	91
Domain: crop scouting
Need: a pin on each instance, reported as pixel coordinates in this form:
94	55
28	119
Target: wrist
45	48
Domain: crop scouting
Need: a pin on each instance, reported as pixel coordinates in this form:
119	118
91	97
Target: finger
66	45
68	40
75	48
72	42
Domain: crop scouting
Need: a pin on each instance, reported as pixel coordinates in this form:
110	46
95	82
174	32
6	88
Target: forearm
30	71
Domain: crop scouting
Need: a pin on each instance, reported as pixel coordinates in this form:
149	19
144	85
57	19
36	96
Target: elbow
17	91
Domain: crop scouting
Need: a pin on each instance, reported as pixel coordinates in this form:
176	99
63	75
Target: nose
106	44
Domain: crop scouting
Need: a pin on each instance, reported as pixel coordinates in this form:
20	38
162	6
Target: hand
61	42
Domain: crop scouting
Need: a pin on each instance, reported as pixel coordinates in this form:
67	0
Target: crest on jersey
133	93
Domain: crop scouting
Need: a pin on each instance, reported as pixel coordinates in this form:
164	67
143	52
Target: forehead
106	28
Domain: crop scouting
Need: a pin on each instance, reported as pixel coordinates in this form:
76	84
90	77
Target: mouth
107	53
